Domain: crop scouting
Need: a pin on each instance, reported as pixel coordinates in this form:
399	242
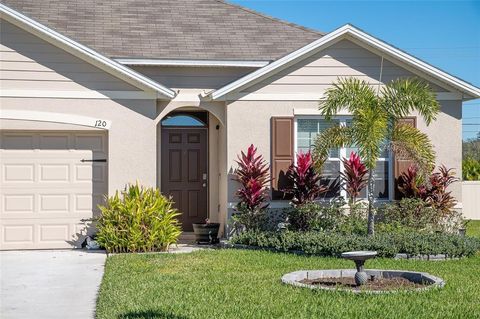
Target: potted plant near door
206	233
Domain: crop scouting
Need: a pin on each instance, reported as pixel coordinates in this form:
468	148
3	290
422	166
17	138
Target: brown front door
184	172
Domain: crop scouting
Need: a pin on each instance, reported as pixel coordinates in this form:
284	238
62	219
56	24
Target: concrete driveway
49	283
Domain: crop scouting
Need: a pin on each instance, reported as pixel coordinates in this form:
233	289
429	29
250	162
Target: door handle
102	160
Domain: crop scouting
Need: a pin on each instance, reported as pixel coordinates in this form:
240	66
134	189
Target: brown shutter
401	164
282	153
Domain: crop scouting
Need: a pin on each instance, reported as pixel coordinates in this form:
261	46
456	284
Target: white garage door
50	181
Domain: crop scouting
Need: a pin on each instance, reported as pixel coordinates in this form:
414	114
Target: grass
246	284
473	228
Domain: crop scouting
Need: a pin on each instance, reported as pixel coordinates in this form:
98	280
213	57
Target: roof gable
169	29
124	73
360	37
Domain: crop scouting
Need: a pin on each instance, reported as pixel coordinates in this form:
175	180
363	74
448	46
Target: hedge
387	245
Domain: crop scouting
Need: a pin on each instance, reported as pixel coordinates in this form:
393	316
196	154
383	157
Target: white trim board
56	118
98	95
329	39
84	52
193	63
308	96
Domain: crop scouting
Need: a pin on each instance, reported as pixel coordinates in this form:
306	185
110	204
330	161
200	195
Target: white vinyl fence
471	199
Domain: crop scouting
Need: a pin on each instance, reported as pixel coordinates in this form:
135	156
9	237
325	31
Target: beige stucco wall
446	136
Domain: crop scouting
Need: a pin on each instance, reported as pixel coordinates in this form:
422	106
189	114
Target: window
184	119
307	128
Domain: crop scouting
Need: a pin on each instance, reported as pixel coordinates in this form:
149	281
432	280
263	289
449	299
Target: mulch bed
378	284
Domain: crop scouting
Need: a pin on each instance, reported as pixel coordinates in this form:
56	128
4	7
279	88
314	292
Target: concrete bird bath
376	281
359	257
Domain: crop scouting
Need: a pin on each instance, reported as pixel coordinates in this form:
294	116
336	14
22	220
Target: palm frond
333	137
347	93
369	131
410	143
402	96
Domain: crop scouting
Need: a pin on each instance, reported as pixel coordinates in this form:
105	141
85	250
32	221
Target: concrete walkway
49	284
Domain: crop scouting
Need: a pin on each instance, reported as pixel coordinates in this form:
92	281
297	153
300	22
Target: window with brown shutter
401	164
282	141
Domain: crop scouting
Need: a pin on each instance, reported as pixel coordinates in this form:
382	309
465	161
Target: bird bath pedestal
359	257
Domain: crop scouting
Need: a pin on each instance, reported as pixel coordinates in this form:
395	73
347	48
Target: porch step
186	238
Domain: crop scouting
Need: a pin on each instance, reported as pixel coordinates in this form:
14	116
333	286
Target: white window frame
343	152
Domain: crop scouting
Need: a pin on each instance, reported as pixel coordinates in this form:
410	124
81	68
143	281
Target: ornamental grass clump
138	219
252	174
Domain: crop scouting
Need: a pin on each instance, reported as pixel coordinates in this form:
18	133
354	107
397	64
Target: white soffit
328	40
84	52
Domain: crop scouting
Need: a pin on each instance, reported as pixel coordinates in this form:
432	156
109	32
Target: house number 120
100	123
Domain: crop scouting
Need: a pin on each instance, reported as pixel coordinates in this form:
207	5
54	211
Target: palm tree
375	124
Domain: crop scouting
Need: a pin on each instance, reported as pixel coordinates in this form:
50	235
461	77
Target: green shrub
314	216
355	222
138	220
409	213
387	245
471	169
335	216
414	214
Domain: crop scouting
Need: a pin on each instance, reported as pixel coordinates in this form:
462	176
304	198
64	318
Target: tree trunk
370	195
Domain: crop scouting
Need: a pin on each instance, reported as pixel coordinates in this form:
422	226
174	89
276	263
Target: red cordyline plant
305	181
252	174
434	191
354	176
410	183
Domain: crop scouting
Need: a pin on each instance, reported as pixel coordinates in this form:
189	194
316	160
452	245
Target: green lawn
246	284
473	228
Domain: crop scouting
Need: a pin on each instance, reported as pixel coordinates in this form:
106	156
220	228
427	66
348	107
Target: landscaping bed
386	244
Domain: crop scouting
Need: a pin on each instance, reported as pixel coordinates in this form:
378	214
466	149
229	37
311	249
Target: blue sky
443	33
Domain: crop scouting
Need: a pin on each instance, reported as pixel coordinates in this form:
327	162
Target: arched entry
184	164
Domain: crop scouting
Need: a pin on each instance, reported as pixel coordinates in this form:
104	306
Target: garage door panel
17	234
14	172
95	143
99	171
18	204
54	172
47	189
54	233
16	141
58	203
55	141
43	233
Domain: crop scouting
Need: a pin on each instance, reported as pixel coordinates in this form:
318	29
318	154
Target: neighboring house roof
85	53
349	32
169	29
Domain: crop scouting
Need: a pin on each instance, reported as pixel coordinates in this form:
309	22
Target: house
95	95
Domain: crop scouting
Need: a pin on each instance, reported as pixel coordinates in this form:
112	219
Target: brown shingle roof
169	29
